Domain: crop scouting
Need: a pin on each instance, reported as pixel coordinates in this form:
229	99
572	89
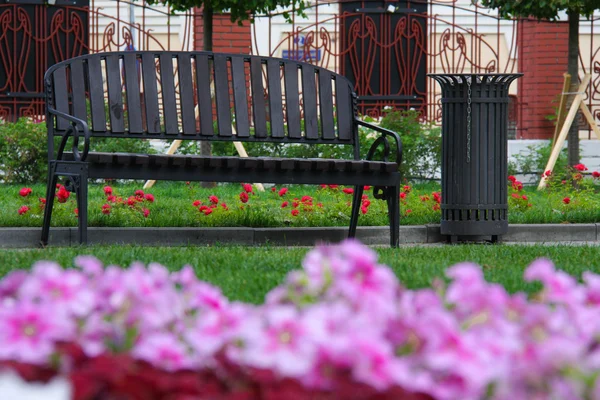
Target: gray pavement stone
30	237
551	233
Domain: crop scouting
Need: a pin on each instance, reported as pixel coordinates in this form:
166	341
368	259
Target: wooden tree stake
562	136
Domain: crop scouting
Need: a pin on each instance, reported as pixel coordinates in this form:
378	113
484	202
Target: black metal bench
153	95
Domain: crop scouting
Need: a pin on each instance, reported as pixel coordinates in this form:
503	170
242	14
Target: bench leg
50	194
77	176
356	202
393	195
81	191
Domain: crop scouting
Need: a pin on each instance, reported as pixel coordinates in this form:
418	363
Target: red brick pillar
543	50
228	37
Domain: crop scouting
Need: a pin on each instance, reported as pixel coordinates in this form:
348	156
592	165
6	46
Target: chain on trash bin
469	101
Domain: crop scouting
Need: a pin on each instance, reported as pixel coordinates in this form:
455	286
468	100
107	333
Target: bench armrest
77	126
386	133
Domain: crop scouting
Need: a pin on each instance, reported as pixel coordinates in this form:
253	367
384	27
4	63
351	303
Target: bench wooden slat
292	100
309	96
326	104
204	101
78	90
275	98
240	97
167	81
186	94
96	94
222	96
123	158
153	124
115	96
132	85
61	96
344	109
258	98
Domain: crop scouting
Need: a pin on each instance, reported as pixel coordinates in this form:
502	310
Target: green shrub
534	161
421	144
24	150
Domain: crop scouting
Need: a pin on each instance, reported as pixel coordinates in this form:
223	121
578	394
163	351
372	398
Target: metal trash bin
474	154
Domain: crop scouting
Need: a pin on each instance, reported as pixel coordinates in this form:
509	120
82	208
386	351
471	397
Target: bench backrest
154	95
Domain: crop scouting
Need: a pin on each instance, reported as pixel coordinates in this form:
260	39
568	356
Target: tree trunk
207	19
573	69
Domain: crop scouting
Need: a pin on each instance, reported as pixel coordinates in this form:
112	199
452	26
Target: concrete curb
379	235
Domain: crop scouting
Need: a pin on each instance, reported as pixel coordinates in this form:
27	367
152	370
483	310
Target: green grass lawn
173	207
247	274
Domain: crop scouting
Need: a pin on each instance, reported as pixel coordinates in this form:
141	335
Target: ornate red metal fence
386	48
35	35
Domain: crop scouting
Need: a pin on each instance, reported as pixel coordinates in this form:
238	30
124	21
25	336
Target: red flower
63	194
247	187
58	185
424	198
323	186
284	204
333	186
146	212
208	211
548	173
295	213
244	197
106	209
436	207
512	178
76	211
320	205
306	199
408	211
24	192
214	199
197	203
364	209
366	203
367	188
295	204
131	201
108	190
23	210
437	197
273	189
566	200
348	190
524	197
111	198
578	177
149	197
402	195
596	174
42	200
517	185
407	188
224	206
515	195
203	208
282	191
580	167
139	193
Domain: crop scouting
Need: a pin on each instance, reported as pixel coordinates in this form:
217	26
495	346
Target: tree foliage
239	10
542	9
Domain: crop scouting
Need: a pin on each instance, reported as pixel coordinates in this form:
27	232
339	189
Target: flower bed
341	327
322	205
